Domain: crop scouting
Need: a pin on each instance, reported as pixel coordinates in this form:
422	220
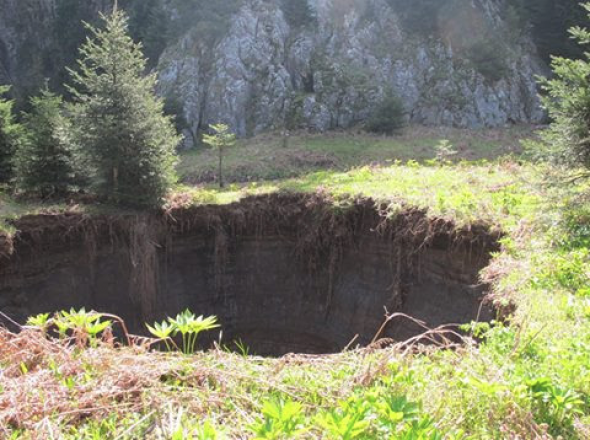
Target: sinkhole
283	273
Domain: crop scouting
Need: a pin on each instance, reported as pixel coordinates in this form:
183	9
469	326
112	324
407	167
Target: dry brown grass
48	382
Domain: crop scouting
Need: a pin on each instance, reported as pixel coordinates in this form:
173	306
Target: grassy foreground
527	378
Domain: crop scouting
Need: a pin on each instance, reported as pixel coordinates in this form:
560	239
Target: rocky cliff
265	73
268	69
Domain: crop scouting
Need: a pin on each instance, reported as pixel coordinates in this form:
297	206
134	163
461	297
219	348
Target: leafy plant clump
374	415
84	327
188	325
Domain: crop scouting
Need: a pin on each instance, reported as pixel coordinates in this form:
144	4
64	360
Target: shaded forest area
547	20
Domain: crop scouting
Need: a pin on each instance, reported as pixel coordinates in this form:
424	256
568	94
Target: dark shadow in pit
284	273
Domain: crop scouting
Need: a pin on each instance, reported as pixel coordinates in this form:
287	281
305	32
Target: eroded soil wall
284	273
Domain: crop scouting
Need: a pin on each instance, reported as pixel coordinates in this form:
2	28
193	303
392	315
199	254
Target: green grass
264	157
527	378
11	209
493	193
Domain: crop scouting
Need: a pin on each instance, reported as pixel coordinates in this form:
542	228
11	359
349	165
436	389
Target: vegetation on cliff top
112	139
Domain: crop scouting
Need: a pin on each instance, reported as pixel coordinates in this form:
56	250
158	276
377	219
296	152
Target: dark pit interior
284	273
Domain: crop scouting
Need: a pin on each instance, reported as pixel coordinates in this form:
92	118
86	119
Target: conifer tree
567	100
120	120
10	133
220	140
388	117
45	159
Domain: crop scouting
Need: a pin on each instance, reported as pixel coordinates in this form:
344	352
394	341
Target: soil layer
284	272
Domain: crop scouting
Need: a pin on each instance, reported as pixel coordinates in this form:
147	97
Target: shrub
488	56
420	16
173	107
388	118
208	20
298	13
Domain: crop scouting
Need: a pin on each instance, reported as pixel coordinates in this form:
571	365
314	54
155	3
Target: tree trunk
115	183
221	184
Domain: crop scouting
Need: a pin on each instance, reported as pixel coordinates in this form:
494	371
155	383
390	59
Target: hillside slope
320	64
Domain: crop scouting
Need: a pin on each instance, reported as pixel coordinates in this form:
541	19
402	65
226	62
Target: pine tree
220	140
45	159
10	133
120	120
567	99
388	117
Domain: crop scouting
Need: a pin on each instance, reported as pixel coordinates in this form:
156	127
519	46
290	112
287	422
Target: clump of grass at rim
496	193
